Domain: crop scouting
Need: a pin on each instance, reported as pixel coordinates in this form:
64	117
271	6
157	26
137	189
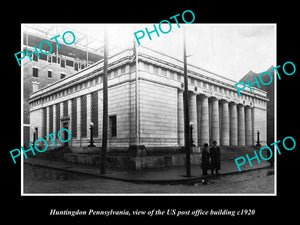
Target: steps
233	152
54	154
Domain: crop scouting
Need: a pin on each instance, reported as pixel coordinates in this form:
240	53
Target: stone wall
134	163
158	114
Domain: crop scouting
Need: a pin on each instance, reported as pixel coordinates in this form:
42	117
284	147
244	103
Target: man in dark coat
205	164
215	155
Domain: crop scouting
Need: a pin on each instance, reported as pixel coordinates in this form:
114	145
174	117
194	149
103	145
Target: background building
50	68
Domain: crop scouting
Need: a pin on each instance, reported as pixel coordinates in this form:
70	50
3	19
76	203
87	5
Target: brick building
145	105
50	68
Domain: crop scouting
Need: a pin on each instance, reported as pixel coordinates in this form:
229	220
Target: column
225	124
198	117
215	124
54	118
248	126
241	125
193	115
78	119
48	122
233	124
204	125
61	111
70	121
180	118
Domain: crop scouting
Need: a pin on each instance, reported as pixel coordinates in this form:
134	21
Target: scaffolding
86	47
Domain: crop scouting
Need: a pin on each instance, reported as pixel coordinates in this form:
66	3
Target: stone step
233	152
54	154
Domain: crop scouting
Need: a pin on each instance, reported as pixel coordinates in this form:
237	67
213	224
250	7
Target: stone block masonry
158	115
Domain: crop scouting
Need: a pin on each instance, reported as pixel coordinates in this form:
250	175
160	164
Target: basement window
49	73
62	75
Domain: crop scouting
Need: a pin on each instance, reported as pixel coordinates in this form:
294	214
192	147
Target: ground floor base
140	158
133	162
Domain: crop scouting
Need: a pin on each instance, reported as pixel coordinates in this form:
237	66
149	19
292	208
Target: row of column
216	119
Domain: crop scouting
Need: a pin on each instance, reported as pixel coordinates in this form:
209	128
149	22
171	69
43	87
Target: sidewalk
158	176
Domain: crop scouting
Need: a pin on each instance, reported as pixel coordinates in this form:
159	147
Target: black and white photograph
106	110
126	113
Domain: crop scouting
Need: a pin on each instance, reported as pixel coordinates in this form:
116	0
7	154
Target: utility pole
105	112
186	113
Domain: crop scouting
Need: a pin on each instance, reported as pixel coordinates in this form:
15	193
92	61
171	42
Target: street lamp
258	142
91	139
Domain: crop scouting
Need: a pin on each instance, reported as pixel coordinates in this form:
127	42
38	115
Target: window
74	117
123	70
94	112
113	125
76	67
83	116
36	133
57	116
62	75
63	63
35	72
35	57
49	73
146	66
43	57
69	63
115	73
44	121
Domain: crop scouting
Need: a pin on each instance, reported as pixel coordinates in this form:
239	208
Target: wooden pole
186	113
105	109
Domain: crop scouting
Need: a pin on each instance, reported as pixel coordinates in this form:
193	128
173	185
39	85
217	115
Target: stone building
145	105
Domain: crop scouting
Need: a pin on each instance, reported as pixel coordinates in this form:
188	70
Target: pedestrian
215	155
205	163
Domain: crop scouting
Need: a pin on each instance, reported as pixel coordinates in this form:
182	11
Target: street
46	181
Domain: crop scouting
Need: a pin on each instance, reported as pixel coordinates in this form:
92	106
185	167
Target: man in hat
215	155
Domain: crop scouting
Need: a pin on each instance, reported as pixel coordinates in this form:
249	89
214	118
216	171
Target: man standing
205	165
215	155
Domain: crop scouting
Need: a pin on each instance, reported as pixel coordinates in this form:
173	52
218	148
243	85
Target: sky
229	50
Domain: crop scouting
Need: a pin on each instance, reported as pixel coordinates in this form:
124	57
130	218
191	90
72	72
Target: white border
171	194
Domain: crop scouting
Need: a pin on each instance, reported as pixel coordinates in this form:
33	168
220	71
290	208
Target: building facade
145	105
